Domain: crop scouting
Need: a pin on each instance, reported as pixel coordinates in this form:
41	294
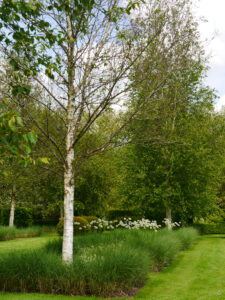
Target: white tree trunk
169	217
67	251
12	207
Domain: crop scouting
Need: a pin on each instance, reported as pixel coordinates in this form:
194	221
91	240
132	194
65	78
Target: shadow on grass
215	236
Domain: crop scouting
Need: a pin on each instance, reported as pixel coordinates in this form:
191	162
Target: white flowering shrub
97	225
81	225
170	224
127	223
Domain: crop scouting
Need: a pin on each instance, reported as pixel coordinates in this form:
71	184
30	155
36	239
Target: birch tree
80	55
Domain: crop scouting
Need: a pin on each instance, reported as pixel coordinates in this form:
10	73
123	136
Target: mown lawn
25	243
197	274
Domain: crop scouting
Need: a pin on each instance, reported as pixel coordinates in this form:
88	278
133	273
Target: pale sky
213	11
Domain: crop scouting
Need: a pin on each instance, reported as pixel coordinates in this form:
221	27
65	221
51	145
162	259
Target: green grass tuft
7	233
186	236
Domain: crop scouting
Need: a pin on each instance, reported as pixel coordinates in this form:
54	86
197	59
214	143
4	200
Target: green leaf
44	160
32	137
27	149
19	121
11	124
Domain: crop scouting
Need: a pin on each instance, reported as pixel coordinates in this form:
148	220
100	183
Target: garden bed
108	265
10	233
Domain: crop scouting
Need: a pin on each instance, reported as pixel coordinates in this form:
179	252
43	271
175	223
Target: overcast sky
213	11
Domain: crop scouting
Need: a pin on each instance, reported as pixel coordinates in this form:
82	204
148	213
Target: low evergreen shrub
90	218
80	226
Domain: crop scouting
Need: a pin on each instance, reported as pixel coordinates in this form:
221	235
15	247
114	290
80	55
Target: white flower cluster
97	224
139	224
170	224
125	223
80	226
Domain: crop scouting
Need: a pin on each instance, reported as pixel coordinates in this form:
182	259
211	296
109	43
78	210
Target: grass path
25	243
197	274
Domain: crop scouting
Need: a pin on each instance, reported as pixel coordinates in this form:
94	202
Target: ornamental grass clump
31	271
162	246
95	271
163	249
115	268
94	239
186	236
28	231
7	233
105	264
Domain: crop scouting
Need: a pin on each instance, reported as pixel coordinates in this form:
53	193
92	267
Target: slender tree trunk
67	251
12	206
169	217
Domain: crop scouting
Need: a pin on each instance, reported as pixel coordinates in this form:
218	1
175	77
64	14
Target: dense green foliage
23	216
14	138
218	228
117	214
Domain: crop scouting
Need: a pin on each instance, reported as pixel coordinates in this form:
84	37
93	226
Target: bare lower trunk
12	207
67	251
169	217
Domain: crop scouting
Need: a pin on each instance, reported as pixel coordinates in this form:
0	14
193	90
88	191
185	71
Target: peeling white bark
67	251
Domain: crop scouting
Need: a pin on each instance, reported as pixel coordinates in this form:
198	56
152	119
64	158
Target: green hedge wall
117	214
23	216
218	228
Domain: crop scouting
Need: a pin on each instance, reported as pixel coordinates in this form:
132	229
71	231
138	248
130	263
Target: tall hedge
216	228
23	216
117	214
